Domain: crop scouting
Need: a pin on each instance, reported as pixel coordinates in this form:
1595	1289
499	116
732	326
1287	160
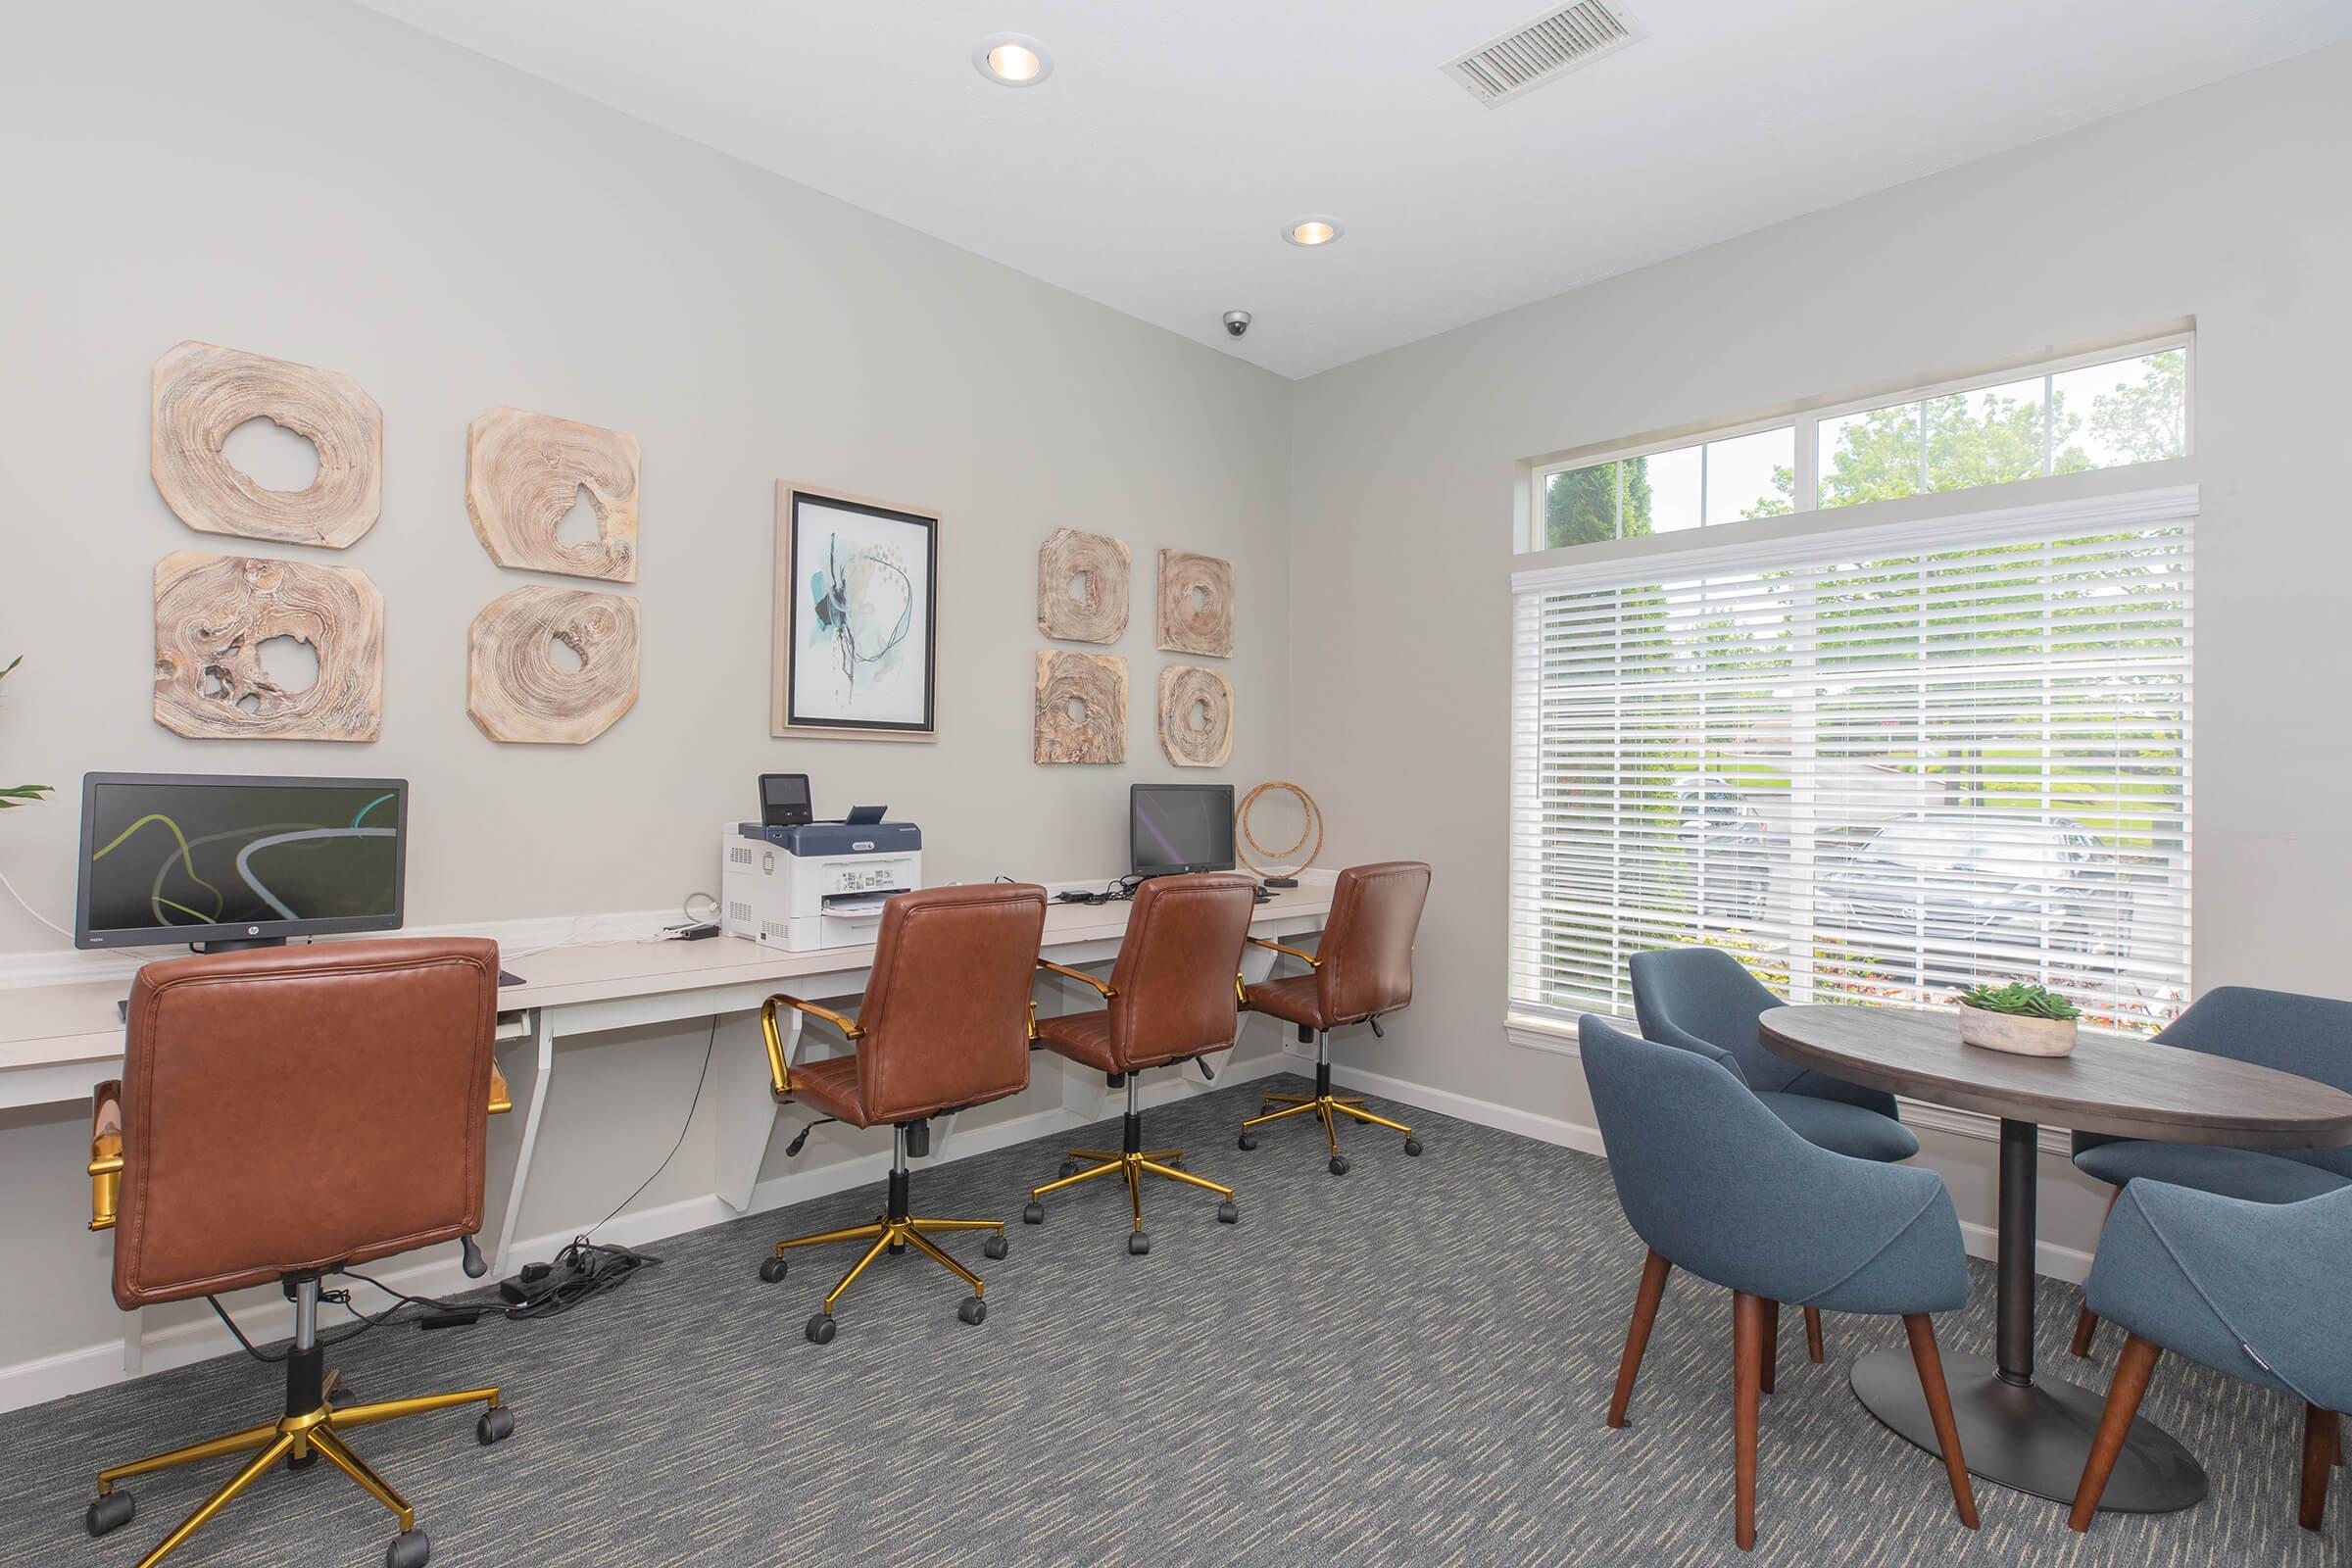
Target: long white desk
58	1040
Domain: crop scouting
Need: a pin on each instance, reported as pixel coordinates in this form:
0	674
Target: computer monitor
1173	828
237	862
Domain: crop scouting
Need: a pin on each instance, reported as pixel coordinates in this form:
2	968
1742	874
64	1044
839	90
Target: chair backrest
1704	1000
292	1108
1367	946
1175	972
2310	1037
947	1005
1717	1184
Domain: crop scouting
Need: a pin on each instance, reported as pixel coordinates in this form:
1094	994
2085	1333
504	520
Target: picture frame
855	632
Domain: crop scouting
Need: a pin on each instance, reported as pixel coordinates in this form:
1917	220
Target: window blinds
1878	764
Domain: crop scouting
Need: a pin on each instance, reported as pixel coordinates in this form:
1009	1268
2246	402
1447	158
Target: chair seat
830	1085
1083	1037
1296	1000
2242	1173
1843	1128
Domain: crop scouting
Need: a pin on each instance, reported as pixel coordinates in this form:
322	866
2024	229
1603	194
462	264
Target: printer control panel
855	878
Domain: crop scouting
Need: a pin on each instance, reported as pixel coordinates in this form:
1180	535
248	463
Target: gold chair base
1329	1108
893	1235
1135	1166
294	1437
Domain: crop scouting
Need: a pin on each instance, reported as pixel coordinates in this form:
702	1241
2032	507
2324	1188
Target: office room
1075	784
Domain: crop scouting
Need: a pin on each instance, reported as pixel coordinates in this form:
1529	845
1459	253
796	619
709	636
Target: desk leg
531	1100
744	1101
2030	1435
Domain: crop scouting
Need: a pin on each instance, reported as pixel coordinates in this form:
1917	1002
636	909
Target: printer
815	885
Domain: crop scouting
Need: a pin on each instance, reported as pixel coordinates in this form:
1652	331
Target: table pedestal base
2032	1439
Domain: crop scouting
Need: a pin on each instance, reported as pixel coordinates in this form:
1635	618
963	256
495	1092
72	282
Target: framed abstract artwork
857	618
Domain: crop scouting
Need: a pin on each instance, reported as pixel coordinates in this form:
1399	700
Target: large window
2098	411
1879	763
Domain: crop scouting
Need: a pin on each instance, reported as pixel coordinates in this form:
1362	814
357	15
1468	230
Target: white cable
30	909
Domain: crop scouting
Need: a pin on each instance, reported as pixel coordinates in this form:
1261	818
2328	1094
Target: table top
2112	1084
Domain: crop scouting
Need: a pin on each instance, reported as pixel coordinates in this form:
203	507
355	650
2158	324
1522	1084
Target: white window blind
1878	765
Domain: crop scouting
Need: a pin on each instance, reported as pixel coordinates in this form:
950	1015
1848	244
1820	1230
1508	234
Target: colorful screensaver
170	853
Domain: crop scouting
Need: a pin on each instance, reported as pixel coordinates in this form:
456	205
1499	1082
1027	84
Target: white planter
2019	1036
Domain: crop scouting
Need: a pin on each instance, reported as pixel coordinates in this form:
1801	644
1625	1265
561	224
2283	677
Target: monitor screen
1180	827
196	857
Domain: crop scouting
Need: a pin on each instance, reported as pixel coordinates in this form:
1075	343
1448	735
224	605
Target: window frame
1806	422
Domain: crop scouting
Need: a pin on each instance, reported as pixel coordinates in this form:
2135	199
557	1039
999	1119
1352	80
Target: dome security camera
1236	323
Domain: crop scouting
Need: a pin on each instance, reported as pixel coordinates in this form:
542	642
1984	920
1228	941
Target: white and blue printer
804	884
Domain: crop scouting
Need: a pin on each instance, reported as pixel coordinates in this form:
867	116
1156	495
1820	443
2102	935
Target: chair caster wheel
1412	1146
1034	1215
820	1329
973	1310
1069	1168
110	1512
1246	1142
995	1246
1139	1242
772	1269
296	1466
409	1550
496	1425
1339	1164
1228	1214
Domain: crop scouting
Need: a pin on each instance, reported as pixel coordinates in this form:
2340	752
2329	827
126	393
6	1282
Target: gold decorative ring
1312	828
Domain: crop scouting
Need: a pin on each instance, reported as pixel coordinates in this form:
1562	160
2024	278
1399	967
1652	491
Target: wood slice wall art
1196	604
202	392
1081	707
523	472
1082	586
213	613
515	687
1195	716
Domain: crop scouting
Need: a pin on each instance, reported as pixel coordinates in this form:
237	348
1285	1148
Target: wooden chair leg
2321	1441
1930	1362
1654	1270
1748	1376
2132	1371
2087	1323
1772	1344
1813	1335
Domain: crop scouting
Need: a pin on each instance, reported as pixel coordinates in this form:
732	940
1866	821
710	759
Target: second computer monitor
1173	828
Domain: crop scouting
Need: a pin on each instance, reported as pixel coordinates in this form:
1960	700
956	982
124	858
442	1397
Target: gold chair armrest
1307	959
502	1099
779	1074
106	1154
1067	972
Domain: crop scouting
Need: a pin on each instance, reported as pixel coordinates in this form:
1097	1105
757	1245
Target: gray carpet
1408	1364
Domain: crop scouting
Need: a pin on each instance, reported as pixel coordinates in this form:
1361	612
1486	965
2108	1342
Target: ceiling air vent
1546	48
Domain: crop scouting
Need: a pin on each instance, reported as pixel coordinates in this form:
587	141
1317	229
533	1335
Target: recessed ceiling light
1313	231
1012	60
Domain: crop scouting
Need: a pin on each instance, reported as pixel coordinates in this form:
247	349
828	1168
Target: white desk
58	1040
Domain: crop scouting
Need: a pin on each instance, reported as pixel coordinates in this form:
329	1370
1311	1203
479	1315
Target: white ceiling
1176	138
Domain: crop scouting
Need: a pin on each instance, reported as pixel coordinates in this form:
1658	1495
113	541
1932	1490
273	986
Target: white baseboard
1982	1241
96	1366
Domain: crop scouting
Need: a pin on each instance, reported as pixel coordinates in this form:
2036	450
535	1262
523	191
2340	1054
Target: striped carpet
1406	1365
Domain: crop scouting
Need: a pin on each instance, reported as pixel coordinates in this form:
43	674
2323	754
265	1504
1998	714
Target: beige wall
316	183
2225	205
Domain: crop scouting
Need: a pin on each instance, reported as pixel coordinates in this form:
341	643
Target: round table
2023	1432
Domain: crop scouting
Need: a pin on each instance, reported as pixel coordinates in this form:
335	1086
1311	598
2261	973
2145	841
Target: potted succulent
2025	1020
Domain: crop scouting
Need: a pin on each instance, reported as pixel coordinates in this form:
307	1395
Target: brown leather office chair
284	1113
1362	968
1170	998
944	1025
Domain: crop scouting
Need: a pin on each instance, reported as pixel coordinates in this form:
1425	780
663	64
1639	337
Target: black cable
696	1105
334	1299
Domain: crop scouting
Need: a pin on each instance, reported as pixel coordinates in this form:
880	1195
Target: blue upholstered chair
1704	1000
2308	1036
1718	1185
2252	1289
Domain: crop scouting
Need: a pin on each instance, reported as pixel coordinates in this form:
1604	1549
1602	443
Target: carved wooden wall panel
213	613
1196	604
523	472
1099	564
516	690
1096	683
1187	692
202	392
